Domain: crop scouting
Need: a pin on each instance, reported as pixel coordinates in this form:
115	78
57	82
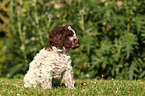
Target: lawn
87	87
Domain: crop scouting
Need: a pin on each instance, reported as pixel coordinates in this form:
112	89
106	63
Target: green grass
92	87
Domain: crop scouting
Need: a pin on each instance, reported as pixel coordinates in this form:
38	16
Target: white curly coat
50	67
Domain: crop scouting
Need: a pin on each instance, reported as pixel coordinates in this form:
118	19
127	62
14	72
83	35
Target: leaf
142	74
133	68
128	41
88	41
140	23
131	71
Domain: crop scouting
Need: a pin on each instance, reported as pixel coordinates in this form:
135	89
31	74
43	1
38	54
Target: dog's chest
52	61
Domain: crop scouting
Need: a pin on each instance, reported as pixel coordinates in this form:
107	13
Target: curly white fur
49	67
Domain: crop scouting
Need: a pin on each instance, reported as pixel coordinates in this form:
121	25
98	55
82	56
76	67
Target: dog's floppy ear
56	37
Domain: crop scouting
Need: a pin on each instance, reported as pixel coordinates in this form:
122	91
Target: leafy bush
111	34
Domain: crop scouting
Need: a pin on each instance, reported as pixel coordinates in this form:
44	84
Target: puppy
53	63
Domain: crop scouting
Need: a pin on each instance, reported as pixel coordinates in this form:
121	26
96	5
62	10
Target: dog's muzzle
75	43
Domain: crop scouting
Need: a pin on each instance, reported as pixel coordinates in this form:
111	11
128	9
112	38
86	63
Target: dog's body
53	63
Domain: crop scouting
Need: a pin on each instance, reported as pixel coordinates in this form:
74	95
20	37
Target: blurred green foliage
111	33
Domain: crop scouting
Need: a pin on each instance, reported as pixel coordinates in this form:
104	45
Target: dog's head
63	37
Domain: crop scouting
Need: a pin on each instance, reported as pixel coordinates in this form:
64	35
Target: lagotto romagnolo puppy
53	63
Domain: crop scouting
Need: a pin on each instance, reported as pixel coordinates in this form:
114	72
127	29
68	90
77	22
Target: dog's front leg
47	82
68	79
